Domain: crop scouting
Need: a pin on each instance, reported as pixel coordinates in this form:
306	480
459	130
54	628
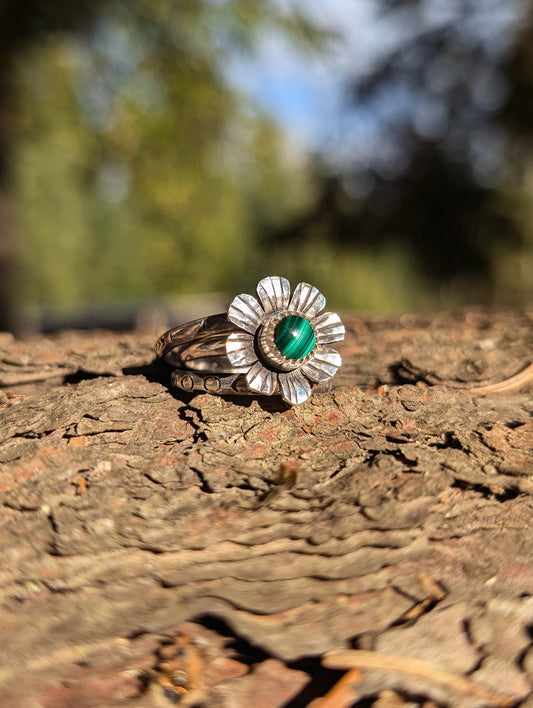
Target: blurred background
158	154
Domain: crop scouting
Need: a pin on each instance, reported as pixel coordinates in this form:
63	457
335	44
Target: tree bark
159	547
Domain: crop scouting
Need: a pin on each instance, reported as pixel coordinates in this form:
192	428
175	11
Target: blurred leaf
140	170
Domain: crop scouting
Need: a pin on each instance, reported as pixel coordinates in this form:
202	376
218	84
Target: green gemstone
294	337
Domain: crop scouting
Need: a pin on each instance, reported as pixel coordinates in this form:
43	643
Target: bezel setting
253	350
266	343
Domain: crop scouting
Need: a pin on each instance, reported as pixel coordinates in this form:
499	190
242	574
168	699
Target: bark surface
160	548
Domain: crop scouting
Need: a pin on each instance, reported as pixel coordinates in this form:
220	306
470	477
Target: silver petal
329	328
307	300
245	312
274	293
295	388
262	380
240	349
323	364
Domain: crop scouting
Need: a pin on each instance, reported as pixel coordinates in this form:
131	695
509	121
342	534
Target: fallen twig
434	593
512	384
418	668
343	693
434	590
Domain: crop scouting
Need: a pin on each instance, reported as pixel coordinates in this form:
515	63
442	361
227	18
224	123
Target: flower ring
284	340
273	344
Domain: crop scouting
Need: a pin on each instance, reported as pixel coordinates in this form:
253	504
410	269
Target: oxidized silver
237	353
199	345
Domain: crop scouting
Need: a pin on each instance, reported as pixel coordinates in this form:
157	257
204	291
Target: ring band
222	385
273	344
199	345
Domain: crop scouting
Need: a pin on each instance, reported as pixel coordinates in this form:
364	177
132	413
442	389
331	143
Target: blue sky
303	90
306	92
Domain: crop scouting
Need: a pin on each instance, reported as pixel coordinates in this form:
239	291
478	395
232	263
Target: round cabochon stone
295	337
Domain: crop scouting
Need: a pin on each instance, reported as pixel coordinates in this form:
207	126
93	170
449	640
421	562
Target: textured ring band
273	344
221	384
199	345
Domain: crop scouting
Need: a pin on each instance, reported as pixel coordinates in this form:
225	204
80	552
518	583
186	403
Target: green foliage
139	171
443	189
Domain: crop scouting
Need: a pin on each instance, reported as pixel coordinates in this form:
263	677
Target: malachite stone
294	337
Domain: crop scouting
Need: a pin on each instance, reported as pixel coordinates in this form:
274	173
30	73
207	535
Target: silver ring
273	344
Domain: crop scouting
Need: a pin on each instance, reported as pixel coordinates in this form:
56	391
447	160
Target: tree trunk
158	547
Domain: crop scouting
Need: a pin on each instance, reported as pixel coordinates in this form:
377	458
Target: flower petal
323	364
307	300
295	388
274	293
262	380
245	312
329	328
240	349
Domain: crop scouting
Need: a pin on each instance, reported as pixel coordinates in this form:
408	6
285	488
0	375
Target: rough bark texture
159	548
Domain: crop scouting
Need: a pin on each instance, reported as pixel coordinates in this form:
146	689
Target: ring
272	344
